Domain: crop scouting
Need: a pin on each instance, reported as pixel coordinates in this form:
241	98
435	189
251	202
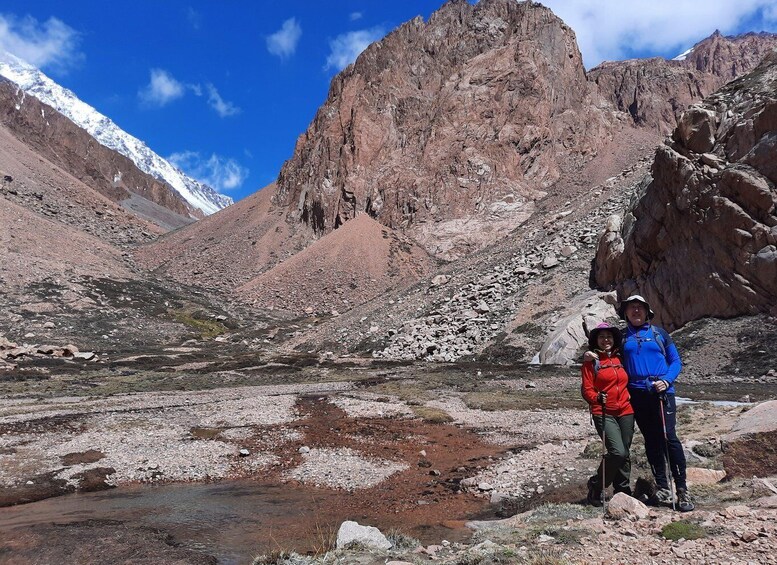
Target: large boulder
759	419
564	343
624	506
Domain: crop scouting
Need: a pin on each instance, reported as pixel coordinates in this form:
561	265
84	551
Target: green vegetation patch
499	399
205	433
683	529
207	329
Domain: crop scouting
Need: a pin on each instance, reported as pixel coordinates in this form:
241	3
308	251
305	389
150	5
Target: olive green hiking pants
619	430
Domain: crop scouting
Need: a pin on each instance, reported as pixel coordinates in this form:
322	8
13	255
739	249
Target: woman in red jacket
605	389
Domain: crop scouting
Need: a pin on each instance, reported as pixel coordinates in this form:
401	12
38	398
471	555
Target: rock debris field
419	446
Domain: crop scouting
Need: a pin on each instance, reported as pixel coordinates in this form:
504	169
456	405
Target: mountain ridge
33	82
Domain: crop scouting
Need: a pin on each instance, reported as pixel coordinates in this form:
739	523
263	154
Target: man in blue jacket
652	363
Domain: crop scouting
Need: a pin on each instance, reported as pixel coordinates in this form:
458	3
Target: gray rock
369	536
624	506
84	355
549	262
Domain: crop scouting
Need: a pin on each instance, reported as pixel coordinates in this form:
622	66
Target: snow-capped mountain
33	82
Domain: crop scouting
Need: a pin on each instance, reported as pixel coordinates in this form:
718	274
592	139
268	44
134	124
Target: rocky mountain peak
728	57
471	114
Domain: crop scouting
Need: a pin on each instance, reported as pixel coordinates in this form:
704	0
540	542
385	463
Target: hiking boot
684	502
595	497
626	490
663	497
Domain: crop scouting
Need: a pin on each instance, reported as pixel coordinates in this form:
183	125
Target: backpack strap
659	339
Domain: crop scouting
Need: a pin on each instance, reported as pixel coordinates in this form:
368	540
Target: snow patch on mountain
684	55
33	82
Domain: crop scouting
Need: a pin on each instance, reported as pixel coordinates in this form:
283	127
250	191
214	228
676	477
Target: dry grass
432	415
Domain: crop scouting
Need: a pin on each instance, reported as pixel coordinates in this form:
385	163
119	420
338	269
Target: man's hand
660	386
590	356
602	398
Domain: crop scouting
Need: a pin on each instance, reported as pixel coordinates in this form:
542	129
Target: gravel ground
342	468
518	427
150	436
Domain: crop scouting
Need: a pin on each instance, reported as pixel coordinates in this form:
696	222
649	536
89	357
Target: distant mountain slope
226	249
53	191
349	266
58	140
33	82
654	92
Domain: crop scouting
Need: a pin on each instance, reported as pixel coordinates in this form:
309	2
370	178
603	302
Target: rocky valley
391	331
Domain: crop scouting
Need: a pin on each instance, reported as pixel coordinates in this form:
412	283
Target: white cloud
283	42
218	172
614	30
222	107
162	89
194	18
346	47
51	45
355	16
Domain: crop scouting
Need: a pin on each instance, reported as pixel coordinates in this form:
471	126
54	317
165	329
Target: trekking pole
604	455
670	476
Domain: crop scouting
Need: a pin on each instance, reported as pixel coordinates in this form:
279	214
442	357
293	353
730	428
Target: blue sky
224	88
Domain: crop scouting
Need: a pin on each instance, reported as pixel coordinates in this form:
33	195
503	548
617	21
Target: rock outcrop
471	115
729	57
702	237
654	92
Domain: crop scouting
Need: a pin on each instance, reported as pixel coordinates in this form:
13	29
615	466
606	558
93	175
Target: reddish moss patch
82	458
755	455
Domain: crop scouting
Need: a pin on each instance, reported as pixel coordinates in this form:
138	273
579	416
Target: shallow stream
233	521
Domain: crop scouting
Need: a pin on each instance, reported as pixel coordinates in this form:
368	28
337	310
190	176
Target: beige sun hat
634	298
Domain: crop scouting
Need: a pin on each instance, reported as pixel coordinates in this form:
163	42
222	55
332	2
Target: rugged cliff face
730	57
63	143
702	238
473	114
656	91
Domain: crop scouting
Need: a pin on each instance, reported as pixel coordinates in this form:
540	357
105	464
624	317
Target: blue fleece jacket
645	362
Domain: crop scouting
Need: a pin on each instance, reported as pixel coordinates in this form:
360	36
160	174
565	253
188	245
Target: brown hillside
226	249
47	190
353	264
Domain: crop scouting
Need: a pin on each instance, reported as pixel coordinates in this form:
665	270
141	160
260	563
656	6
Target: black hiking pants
647	412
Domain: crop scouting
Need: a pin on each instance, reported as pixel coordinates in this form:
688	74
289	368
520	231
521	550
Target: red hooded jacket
610	378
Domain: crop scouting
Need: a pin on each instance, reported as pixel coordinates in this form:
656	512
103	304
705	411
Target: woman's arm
587	388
